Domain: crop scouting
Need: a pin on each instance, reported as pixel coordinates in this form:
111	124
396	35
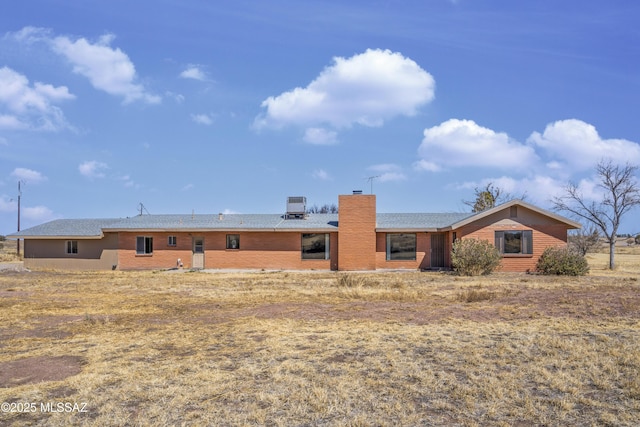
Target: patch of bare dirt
39	369
43	327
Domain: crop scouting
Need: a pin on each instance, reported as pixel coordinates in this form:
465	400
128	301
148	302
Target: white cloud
38	213
537	189
203	119
194	72
179	98
92	169
8	122
424	165
28	175
31	34
461	143
321	174
578	146
30	106
127	182
7	204
320	136
365	89
187	187
387	172
108	69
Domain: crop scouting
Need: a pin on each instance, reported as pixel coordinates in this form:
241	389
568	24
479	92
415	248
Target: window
198	245
233	241
144	245
173	241
315	246
401	246
515	242
72	246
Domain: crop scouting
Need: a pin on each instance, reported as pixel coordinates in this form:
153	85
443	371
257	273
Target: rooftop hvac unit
296	207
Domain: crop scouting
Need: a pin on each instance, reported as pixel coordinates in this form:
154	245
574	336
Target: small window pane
233	241
512	242
72	246
173	240
144	245
315	246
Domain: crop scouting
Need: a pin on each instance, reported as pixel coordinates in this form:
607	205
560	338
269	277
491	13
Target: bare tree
326	208
584	240
621	194
488	197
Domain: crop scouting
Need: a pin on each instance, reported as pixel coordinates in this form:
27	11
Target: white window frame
71	247
147	245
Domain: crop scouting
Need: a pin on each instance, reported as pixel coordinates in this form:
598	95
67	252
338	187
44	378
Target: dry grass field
321	348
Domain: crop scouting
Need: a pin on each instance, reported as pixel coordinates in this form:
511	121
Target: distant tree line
326	208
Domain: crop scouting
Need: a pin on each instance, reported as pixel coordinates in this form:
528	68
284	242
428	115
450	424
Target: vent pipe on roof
220	217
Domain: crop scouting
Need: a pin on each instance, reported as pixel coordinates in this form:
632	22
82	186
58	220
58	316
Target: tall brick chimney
357	232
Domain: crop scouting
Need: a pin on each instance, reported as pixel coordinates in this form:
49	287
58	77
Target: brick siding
357	232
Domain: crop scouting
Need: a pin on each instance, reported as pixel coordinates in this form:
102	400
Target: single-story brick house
356	238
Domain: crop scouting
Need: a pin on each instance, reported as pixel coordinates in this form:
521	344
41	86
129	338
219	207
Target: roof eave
49	237
486	213
406	230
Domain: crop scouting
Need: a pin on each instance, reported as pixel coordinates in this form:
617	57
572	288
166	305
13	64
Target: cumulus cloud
321	174
203	119
92	169
387	172
28	175
578	146
38	213
194	72
320	136
29	106
108	69
461	143
365	89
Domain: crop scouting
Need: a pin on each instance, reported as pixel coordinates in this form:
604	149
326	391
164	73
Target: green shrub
562	261
474	257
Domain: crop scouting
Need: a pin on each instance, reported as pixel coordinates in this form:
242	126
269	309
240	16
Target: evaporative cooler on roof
296	207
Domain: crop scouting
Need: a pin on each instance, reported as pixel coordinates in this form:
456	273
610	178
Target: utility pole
19	195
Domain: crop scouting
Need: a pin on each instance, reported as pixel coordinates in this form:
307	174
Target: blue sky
201	106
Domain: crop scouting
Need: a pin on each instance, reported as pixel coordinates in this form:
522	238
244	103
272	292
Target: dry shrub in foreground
474	257
562	262
475	295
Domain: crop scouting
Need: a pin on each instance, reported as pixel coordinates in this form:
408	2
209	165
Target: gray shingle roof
227	222
272	222
86	228
408	221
